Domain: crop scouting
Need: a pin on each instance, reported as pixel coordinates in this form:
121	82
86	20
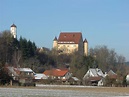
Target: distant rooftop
70	37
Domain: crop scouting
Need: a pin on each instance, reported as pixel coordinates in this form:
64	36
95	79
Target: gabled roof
56	72
93	72
25	69
13	70
75	79
96	72
112	75
40	76
16	71
70	37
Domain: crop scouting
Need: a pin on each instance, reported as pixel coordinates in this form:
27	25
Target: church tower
13	30
55	43
85	43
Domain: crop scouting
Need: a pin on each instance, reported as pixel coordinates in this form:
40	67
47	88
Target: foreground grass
93	89
77	88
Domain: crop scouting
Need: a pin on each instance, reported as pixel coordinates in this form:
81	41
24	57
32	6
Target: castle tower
55	43
85	43
13	30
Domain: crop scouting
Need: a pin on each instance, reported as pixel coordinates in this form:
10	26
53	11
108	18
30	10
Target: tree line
14	51
24	53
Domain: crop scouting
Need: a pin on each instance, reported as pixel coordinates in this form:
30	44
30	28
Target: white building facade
69	42
13	30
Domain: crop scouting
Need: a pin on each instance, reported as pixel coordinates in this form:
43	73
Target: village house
110	75
21	76
69	42
93	76
74	81
58	74
43	50
39	76
15	72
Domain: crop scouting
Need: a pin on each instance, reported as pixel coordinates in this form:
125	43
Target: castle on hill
69	42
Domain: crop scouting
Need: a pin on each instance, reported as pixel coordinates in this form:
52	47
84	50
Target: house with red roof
59	74
69	42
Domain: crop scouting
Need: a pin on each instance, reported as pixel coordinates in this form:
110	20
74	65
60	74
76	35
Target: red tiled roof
70	37
55	72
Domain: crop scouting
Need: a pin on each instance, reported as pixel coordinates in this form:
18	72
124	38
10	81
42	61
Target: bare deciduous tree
17	56
108	59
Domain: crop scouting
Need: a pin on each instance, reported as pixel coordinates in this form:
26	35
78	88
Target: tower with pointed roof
85	43
13	30
55	43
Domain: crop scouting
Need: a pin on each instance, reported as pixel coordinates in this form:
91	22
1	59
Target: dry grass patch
76	88
93	89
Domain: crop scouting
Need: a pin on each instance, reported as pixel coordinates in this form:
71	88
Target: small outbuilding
74	81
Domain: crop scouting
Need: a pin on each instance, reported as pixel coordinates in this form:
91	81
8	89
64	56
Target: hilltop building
69	42
13	30
43	50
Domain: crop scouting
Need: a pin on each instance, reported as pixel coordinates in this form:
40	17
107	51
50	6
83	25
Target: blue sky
102	22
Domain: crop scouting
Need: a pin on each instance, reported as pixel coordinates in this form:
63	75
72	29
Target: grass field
64	91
